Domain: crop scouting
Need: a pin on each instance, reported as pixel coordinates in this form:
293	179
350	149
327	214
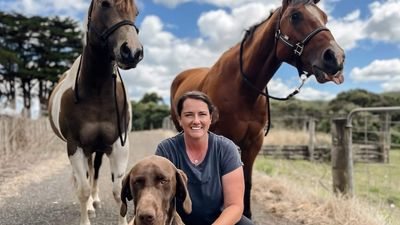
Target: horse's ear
285	3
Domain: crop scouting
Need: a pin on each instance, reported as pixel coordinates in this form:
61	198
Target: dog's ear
125	194
182	190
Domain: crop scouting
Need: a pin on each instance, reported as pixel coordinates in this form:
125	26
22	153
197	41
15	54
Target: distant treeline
344	102
150	110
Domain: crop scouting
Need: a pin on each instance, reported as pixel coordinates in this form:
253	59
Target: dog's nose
146	218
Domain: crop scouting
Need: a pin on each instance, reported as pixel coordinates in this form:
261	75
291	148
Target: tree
35	51
149	112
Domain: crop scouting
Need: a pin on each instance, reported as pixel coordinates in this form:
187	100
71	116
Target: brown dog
154	183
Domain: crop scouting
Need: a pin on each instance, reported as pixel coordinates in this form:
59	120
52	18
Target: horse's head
305	42
111	26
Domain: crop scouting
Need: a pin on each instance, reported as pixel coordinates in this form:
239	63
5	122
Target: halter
299	46
104	37
297	51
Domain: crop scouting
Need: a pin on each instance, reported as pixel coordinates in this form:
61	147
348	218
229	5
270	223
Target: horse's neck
96	71
259	60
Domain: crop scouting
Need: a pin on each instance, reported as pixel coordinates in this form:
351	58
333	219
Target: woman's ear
179	121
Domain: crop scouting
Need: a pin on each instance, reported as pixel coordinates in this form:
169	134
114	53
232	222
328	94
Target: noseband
297	47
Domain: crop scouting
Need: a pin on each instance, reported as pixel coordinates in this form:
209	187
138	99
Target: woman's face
195	118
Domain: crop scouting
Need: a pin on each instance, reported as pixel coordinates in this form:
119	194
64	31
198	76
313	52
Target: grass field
376	186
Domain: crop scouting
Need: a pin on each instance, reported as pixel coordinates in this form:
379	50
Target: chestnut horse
296	34
89	109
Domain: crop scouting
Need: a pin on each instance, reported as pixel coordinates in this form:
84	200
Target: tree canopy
35	51
149	112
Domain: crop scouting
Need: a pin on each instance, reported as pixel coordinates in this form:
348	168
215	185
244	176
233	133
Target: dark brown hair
198	95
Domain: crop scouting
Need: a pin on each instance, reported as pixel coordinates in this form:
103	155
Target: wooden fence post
342	160
385	139
311	141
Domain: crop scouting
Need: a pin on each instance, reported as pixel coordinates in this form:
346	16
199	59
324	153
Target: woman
211	162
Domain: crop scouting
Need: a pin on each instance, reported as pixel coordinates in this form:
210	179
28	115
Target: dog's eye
139	181
162	180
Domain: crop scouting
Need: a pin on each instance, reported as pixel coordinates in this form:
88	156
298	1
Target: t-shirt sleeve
167	149
230	156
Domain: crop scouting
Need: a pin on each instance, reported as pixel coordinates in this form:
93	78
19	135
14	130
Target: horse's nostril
138	55
125	51
329	56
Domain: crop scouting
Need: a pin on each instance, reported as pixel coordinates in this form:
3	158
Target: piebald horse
89	109
295	33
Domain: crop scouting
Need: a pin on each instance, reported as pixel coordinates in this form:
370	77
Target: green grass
376	183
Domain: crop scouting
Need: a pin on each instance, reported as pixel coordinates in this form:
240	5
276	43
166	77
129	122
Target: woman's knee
244	221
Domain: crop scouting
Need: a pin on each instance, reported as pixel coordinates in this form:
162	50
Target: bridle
297	48
104	38
107	32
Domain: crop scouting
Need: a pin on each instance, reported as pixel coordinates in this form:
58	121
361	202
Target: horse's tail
97	163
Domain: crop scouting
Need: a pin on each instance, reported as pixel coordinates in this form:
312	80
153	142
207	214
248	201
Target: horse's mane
250	31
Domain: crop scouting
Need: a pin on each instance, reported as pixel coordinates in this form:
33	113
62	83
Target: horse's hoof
92	214
96	204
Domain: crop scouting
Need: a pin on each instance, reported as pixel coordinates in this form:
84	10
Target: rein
297	51
104	37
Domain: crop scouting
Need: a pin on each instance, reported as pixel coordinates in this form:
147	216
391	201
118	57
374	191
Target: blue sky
182	34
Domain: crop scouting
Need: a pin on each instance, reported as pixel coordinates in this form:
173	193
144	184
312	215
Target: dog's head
153	184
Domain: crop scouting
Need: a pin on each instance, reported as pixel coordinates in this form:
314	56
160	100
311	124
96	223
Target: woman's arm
233	189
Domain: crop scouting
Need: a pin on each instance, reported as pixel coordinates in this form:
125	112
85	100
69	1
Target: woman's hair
198	95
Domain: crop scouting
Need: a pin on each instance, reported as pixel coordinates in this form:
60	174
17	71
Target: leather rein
104	38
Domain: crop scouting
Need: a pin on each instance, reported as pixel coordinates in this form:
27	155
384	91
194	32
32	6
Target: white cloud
47	7
348	30
166	55
386	71
219	3
384	22
222	29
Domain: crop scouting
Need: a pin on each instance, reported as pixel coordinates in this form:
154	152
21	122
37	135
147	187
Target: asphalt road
43	194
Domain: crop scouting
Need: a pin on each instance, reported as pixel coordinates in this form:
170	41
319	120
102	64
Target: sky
183	34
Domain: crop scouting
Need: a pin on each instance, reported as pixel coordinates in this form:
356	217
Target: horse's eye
295	17
105	4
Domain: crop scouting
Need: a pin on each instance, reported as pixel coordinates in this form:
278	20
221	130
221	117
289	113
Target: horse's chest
92	124
98	133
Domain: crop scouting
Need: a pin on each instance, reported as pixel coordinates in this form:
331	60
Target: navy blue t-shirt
205	179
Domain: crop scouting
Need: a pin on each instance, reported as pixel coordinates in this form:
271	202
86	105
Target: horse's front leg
118	163
80	170
95	187
249	154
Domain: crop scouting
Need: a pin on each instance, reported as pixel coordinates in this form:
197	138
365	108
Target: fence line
22	134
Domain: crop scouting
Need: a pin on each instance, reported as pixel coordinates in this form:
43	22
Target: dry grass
281	137
24	142
301	191
21	135
287	199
